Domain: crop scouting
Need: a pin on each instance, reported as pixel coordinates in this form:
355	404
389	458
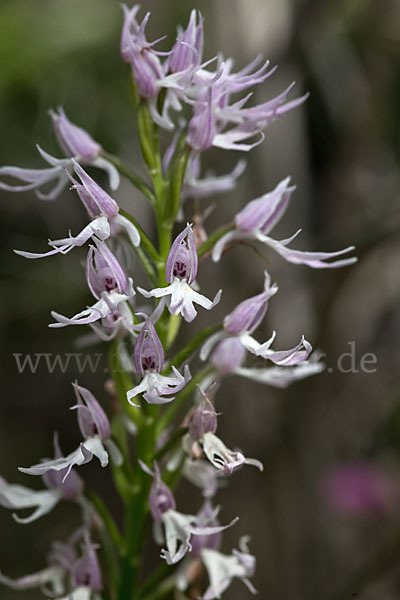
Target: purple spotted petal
182	259
148	353
103	271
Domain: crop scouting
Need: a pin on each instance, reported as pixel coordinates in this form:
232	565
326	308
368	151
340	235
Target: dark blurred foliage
342	150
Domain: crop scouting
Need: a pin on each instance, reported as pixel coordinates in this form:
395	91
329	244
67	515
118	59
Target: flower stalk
151	447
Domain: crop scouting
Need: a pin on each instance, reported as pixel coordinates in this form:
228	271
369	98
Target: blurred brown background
342	150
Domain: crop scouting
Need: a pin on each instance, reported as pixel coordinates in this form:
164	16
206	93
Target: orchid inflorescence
166	86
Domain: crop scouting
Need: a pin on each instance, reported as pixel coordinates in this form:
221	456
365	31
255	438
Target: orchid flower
95	428
240	323
222	569
179	528
149	362
216	123
107	282
138	52
64	562
180	272
18	497
260	216
227	349
103	211
202	428
77	144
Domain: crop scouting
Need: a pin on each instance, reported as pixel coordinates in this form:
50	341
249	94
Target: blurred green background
342	149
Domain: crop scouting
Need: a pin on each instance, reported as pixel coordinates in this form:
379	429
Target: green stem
138	508
108	521
164	230
183	354
174	324
111	557
161	573
165	588
123	383
144	239
145	131
131	175
214	237
147	265
175	189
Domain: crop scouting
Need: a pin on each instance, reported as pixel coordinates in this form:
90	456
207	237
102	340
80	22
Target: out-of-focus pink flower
361	489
